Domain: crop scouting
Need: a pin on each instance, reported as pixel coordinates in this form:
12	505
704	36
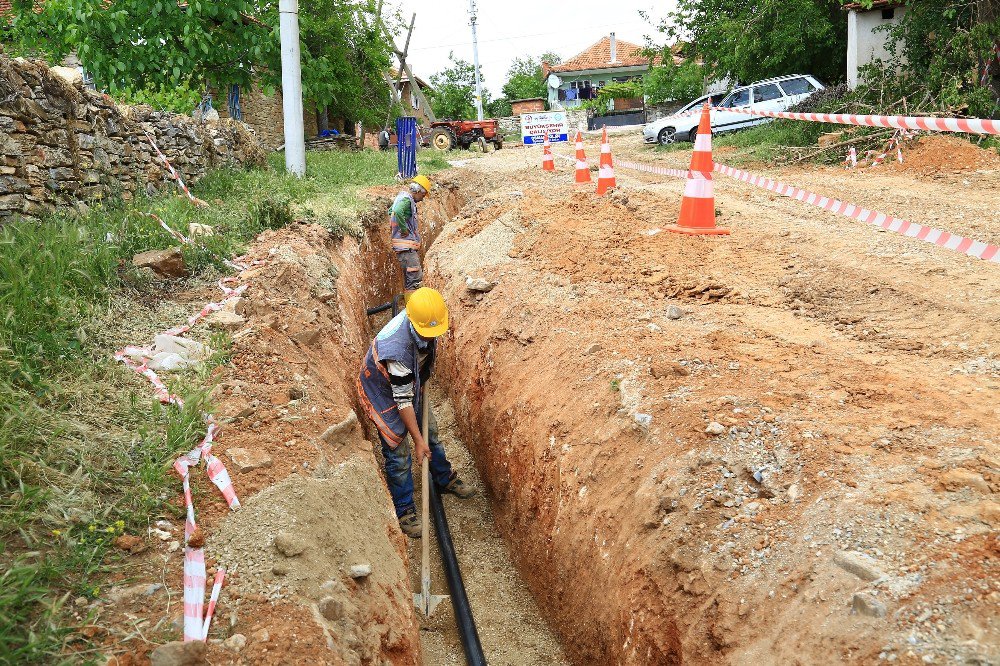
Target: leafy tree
524	80
454	90
668	82
750	40
157	45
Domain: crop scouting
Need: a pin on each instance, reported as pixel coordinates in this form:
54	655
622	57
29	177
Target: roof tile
598	56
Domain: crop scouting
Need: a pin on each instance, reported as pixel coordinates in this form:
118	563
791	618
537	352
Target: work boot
458	488
410	524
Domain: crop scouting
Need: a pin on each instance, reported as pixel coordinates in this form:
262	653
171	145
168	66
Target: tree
164	44
454	90
524	80
668	81
750	40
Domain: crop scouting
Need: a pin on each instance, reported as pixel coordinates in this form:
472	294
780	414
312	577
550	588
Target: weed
616	385
85	451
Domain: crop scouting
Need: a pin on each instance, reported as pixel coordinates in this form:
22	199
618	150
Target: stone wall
265	114
662	110
62	145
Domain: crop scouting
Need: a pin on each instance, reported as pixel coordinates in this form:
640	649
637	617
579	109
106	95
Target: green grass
85	450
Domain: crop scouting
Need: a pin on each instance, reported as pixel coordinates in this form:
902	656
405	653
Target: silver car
777	94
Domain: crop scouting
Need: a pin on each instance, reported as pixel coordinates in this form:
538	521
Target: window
766	93
739	98
888	14
414	102
797	87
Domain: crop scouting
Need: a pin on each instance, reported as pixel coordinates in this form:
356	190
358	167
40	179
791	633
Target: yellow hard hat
427	311
424	182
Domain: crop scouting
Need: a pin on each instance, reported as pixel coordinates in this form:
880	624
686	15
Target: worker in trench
393	374
406	234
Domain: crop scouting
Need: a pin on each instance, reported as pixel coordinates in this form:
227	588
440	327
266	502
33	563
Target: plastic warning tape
220	576
973	248
928	123
173	173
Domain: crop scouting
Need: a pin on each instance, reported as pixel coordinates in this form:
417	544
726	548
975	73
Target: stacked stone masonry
64	146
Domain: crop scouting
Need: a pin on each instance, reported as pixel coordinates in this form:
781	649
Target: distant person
393	374
406	234
383	139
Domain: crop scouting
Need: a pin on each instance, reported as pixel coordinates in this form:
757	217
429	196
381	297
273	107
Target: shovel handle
425	555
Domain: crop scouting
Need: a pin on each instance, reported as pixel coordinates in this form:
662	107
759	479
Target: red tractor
450	134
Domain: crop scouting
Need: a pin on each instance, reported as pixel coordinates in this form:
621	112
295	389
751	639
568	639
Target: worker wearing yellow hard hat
406	232
393	374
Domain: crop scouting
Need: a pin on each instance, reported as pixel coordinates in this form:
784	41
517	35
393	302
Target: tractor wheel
482	144
442	138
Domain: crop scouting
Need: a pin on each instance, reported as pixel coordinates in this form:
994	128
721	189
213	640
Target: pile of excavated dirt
778	446
302	539
937	153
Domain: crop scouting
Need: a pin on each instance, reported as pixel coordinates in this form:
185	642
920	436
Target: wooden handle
425	504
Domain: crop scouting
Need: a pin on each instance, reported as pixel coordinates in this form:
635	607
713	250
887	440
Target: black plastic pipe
379	308
459	601
392	305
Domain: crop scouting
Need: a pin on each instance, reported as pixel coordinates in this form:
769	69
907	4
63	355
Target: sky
508	29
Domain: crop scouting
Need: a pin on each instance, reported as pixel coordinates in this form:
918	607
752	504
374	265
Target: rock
307	337
643	420
592	349
344	432
235	643
179	653
331	608
289	545
195	230
197	539
225	321
481	285
246	460
280	569
715	428
80	602
674	312
72	75
360	571
863	604
858	564
988	512
959	478
165	263
262	635
129	543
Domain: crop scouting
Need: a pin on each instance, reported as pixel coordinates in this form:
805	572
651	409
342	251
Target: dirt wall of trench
302	459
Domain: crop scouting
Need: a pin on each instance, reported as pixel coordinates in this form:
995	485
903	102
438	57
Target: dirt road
796	462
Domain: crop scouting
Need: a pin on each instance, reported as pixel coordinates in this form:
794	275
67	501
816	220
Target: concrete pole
291	88
475	59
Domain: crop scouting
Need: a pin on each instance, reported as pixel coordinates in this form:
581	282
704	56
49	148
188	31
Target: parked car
777	94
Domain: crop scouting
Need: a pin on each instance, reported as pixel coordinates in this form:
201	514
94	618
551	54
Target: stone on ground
863	604
858	564
167	263
179	653
289	545
225	321
479	284
246	460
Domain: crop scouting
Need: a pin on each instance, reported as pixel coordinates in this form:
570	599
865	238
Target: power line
526	36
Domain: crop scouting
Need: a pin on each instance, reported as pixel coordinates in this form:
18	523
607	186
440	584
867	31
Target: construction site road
777	446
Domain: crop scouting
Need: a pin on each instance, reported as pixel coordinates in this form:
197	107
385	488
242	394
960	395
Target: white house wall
866	39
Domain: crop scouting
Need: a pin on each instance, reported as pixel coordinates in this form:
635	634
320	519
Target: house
411	101
868	34
609	60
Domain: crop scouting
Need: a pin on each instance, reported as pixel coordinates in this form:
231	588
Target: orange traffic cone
698	207
582	170
606	173
548	163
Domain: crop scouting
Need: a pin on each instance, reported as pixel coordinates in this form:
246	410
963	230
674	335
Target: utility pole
475	59
291	88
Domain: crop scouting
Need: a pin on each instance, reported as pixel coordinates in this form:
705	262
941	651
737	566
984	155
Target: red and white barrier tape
196	621
173	173
928	123
973	248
